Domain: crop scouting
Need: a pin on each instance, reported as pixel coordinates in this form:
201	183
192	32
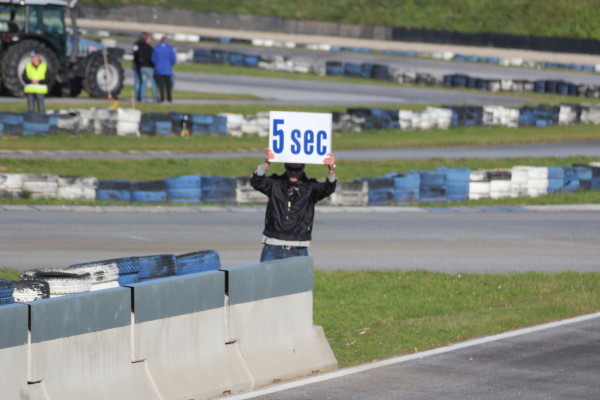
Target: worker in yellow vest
36	83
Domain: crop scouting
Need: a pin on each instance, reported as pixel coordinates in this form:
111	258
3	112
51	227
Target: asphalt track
450	240
557	361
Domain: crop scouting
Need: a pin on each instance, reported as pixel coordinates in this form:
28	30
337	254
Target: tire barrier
385	72
119	122
197	336
442	184
199	261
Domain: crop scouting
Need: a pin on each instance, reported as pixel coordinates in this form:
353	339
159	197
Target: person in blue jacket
163	58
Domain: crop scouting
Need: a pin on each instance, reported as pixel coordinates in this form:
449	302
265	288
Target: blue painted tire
185	181
407	181
113	195
128	279
159	266
200	261
7	288
6	300
149	197
125	265
184	195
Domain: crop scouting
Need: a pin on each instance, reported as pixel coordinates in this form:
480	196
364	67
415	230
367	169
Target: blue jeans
137	82
270	252
35	102
147	75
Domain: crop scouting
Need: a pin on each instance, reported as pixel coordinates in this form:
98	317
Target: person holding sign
291	207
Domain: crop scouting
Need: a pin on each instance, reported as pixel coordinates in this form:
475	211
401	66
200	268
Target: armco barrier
270	309
179	331
81	348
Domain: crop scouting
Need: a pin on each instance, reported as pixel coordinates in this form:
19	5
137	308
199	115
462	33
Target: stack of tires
76	187
11	185
199	261
457	182
479	185
12	123
36	124
500	184
432	187
40	186
149	191
234	124
114	190
245	193
519	181
544	180
218	189
105	121
406	188
571	180
184	189
349	194
381	191
128	122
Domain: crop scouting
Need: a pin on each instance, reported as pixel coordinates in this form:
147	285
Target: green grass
373	315
127	93
479	136
562	18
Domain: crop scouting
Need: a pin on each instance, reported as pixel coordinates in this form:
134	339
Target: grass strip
466	136
372	315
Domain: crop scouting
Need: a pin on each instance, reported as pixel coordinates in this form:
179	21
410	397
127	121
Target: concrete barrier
270	310
179	331
13	354
81	348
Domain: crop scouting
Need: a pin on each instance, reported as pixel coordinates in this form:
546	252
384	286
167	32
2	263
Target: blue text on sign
307	142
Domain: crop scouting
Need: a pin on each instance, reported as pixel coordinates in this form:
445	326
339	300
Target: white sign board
297	137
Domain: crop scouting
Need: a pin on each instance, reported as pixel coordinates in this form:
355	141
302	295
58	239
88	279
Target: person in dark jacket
291	207
143	68
164	58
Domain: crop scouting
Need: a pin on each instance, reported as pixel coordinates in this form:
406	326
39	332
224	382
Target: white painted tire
76	193
12	181
61	281
101	272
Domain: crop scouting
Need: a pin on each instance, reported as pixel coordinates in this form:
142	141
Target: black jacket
142	55
291	208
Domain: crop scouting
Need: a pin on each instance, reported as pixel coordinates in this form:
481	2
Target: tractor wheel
16	57
103	80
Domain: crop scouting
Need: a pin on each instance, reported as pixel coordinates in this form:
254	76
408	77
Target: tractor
75	63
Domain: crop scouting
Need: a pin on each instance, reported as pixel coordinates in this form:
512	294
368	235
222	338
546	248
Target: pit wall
196	336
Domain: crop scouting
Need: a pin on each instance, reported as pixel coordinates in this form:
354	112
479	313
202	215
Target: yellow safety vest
36	74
